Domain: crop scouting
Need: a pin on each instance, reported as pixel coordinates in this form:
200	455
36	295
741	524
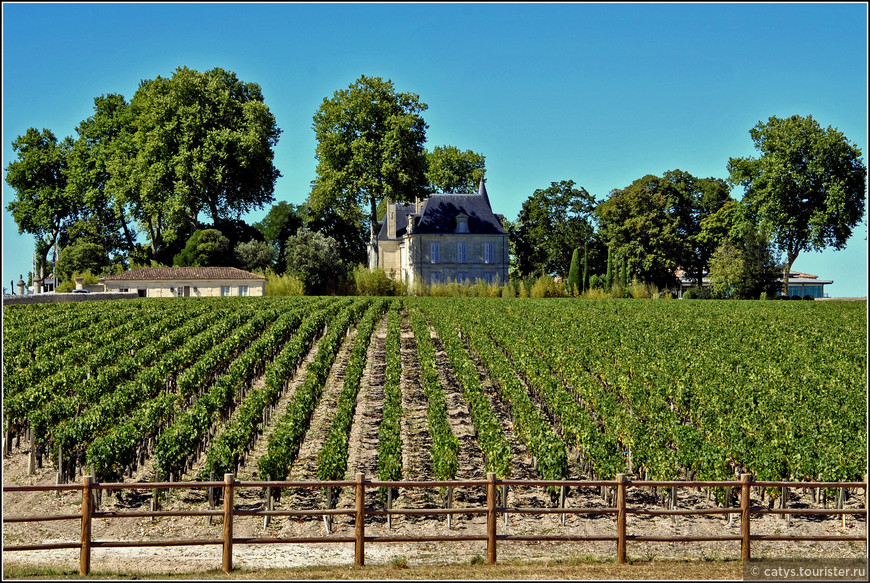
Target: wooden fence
491	510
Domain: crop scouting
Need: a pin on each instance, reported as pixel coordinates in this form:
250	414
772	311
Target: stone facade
447	237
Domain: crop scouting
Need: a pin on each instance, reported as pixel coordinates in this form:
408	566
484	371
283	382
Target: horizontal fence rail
359	512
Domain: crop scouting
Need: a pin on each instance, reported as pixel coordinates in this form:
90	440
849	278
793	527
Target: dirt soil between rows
416	443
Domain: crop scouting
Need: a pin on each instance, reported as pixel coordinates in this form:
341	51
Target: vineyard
554	389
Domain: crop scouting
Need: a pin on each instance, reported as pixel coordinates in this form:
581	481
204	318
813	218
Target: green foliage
574	285
332	458
551	224
255	255
206	247
698	293
807	186
389	432
445	444
315	259
369	148
283	285
376	282
207	138
452	171
69	283
42	206
546	287
655	224
82	256
280	223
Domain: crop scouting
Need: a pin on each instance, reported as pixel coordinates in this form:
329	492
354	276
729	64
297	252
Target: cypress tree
574	273
584	284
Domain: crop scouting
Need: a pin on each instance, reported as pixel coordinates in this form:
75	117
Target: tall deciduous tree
450	170
655	223
369	147
42	206
640	228
807	185
93	160
552	223
202	143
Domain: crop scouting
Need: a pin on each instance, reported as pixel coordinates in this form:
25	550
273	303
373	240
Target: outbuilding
164	282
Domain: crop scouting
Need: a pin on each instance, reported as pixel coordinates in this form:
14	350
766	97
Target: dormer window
461	223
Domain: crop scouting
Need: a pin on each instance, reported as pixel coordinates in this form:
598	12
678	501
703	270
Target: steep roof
439	213
186	273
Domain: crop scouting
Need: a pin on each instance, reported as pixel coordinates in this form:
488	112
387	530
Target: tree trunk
790	259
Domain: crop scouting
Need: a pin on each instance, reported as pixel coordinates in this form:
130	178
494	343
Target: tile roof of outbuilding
175	273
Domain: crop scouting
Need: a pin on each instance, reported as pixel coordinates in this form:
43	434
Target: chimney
391	220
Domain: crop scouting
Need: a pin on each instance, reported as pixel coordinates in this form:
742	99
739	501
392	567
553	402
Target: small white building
165	282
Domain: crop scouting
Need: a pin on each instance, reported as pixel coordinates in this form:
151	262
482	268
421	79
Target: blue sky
601	94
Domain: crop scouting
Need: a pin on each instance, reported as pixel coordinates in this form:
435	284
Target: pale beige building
446	237
165	282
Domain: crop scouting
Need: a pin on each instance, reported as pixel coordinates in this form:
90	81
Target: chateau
446	237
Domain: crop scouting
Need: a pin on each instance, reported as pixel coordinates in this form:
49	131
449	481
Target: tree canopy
452	171
206	247
202	143
807	186
189	144
369	147
552	223
656	224
314	259
42	206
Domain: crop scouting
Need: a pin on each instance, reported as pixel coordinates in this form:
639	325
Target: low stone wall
53	298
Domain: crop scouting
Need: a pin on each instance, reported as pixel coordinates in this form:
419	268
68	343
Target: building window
225	290
179	291
461	255
435	278
461	224
462	277
435	252
488	253
243	290
489	277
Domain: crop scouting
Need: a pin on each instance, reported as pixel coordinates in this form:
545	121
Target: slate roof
186	273
439	212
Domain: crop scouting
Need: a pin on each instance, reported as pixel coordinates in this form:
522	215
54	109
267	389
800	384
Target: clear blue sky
601	94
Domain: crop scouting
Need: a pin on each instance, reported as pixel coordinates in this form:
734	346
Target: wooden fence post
389	507
360	531
490	519
562	503
449	505
87	511
269	506
227	565
746	481
621	518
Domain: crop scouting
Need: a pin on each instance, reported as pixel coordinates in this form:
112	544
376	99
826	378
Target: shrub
283	285
545	287
367	282
70	284
809	297
698	293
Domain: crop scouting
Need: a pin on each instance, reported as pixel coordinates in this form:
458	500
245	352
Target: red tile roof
175	273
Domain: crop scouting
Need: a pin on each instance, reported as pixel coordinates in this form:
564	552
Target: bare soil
417	465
